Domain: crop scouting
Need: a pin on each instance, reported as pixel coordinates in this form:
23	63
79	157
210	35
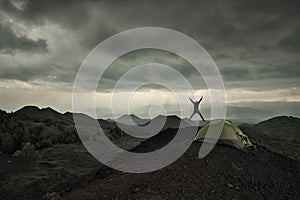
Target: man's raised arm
191	100
201	99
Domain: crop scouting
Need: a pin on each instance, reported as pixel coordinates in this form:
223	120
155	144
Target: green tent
231	135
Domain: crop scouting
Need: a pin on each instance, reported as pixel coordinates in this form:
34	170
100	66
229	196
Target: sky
255	44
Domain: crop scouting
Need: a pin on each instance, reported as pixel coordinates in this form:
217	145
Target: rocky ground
68	171
35	173
226	173
44	173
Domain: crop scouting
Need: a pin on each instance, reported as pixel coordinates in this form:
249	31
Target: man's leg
201	116
192	115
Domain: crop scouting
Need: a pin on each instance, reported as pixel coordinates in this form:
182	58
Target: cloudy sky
255	45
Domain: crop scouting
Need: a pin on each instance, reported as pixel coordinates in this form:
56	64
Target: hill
49	163
131	120
37	114
279	134
226	173
173	121
281	126
243	114
36	128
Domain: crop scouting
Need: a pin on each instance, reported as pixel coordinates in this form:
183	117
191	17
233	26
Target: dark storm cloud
232	22
291	43
222	56
68	13
75	16
254	7
280	71
27	73
10	42
140	57
268	77
245	38
21	73
239	73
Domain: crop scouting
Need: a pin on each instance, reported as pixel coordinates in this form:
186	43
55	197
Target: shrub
28	146
8	144
46	143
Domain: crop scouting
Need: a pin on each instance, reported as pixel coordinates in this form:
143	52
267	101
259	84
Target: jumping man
196	108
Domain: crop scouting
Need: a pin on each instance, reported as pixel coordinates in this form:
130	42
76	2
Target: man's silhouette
196	108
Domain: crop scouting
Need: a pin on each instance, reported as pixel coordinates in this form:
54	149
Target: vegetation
18	131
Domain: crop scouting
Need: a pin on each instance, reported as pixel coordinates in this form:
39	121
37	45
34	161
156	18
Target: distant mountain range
237	114
277	108
35	113
43	114
51	126
247	114
131	119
